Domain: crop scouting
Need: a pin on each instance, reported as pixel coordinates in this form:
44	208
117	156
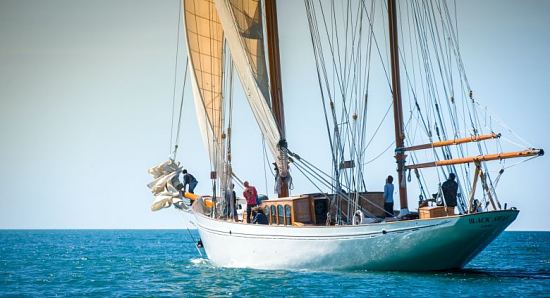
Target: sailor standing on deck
450	190
231	202
388	196
251	195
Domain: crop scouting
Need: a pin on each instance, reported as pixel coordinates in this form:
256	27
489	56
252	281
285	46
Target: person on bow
251	195
190	180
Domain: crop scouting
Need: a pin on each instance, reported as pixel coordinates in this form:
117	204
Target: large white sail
243	27
205	50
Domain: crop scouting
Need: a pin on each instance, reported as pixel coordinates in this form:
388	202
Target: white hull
413	245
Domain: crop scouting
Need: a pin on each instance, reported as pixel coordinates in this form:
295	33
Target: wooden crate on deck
432	212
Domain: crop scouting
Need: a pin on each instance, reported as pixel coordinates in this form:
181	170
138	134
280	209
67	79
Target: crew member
190	180
388	196
450	189
251	195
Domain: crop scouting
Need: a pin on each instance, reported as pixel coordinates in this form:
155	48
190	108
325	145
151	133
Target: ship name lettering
479	220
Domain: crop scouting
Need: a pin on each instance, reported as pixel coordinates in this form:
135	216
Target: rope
195	242
266	160
378	127
322	75
175	77
441	102
180	112
192	238
381	153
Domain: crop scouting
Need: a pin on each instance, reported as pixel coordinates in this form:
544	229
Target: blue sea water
166	263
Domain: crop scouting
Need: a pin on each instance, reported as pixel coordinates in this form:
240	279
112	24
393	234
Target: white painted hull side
413	245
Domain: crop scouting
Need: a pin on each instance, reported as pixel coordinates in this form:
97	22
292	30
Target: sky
86	92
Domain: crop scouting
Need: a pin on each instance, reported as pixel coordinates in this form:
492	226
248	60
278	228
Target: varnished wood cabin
312	209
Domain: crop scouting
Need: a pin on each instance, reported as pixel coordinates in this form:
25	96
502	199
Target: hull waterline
414	245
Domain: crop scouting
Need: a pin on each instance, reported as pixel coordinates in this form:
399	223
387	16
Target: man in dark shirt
188	179
259	216
450	189
231	202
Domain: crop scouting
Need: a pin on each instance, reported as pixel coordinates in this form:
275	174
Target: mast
397	107
276	91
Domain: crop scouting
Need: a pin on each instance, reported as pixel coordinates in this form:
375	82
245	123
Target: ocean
166	263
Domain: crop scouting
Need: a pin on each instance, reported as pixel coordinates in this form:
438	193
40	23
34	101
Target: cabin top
279	200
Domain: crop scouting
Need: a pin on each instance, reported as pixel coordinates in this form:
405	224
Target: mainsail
205	50
244	33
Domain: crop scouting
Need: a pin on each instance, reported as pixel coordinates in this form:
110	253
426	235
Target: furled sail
205	50
244	33
163	190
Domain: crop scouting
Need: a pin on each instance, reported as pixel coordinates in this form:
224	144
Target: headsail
243	27
205	50
163	190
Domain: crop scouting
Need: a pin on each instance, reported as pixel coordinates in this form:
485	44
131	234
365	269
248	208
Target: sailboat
342	225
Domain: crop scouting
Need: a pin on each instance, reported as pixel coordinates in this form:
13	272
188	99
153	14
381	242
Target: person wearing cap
251	195
450	189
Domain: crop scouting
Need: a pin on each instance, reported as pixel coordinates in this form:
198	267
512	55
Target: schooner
343	225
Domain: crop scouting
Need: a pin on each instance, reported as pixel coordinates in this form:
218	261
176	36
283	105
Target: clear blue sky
86	92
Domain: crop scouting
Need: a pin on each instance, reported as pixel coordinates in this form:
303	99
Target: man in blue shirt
259	216
388	196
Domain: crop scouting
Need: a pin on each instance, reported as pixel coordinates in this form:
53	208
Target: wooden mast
397	105
276	89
